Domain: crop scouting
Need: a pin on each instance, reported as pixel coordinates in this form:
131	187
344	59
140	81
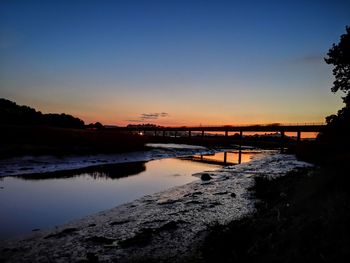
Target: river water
41	201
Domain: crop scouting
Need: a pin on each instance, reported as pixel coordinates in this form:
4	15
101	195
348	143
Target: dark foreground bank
302	217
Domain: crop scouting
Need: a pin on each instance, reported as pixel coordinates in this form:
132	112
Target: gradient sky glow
172	62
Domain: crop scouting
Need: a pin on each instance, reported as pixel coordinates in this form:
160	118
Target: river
40	201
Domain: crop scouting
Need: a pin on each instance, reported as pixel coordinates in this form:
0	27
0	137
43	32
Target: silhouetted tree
339	57
11	113
62	120
96	125
338	125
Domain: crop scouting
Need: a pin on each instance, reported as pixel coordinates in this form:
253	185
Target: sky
172	62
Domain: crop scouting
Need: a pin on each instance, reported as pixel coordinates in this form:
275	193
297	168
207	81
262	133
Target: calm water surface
42	201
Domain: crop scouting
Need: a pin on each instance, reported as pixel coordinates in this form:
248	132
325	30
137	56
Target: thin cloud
150	116
164	114
310	59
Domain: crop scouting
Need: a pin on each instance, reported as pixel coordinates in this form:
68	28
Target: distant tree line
95	126
11	113
143	125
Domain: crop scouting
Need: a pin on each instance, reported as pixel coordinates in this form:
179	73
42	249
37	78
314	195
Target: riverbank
34	165
301	217
167	226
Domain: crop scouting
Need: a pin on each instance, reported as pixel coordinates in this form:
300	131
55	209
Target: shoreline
162	225
301	217
32	165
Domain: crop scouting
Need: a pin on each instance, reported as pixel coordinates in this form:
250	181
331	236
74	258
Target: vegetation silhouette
11	113
107	171
25	131
338	125
96	125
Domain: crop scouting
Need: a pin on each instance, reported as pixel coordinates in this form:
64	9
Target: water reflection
41	201
111	171
224	158
45	200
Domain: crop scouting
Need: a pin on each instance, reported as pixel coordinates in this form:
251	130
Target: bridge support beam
298	136
202	134
282	141
240	138
226	133
189	134
225	157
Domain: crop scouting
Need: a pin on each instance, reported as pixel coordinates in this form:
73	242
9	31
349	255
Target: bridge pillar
202	134
155	133
240	138
225	157
239	156
163	133
189	134
175	134
298	136
226	133
282	141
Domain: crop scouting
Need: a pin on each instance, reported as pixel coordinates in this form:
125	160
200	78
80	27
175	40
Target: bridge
298	128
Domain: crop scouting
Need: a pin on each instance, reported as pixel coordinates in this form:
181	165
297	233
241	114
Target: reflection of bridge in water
223	158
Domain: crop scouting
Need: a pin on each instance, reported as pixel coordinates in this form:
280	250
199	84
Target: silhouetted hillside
11	113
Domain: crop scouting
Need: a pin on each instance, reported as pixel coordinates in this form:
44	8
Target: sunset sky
172	62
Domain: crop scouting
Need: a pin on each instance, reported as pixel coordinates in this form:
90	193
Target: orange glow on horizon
191	123
122	113
201	121
109	115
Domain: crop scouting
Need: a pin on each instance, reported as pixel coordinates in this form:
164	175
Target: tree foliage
11	113
338	125
96	125
339	57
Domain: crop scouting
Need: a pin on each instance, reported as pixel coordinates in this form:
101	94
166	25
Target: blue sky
201	62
